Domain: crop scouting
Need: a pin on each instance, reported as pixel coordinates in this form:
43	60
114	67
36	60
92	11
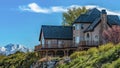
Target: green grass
105	56
18	60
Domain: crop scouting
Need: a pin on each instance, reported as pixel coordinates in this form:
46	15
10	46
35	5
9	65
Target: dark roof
113	19
57	32
88	17
93	16
93	11
93	25
82	18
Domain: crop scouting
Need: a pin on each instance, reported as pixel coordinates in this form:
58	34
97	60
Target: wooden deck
64	50
83	44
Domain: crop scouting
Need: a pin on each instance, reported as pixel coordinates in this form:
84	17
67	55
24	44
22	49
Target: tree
112	34
72	14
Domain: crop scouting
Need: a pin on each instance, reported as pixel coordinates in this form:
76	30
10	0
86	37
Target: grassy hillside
105	56
18	60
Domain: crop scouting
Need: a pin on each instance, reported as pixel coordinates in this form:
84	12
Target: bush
92	51
105	56
105	47
77	54
18	60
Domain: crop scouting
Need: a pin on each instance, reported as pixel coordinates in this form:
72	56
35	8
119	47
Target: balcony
38	47
83	44
53	46
88	44
57	45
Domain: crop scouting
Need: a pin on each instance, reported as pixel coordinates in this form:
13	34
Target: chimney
104	19
104	12
103	25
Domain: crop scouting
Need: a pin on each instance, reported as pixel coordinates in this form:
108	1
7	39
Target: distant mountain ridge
12	48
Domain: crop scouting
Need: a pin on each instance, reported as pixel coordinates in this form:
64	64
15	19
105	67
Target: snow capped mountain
12	48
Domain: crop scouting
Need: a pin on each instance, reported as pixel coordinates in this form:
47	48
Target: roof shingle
57	32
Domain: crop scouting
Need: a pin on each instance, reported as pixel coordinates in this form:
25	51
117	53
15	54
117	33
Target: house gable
93	16
88	17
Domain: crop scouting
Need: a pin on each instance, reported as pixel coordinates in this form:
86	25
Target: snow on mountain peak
12	48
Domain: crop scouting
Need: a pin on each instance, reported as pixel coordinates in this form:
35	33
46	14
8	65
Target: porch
64	50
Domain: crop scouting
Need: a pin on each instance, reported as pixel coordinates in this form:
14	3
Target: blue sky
21	20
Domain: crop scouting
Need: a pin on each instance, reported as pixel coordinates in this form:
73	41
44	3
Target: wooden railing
38	47
87	44
57	45
81	44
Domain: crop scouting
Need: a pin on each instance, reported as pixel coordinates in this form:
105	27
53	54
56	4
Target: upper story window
96	36
88	35
78	26
77	39
82	27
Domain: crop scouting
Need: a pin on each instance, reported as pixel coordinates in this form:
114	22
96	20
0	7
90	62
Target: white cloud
33	7
58	9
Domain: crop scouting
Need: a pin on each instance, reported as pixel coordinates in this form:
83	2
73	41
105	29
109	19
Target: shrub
92	51
105	47
105	56
77	54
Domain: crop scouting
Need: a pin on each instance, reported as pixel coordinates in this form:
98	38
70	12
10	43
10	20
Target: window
82	27
96	36
59	42
73	27
49	43
88	35
77	39
43	42
42	39
78	26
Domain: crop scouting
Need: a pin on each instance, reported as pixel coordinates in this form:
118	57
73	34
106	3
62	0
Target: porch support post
67	52
47	55
39	54
64	53
55	53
